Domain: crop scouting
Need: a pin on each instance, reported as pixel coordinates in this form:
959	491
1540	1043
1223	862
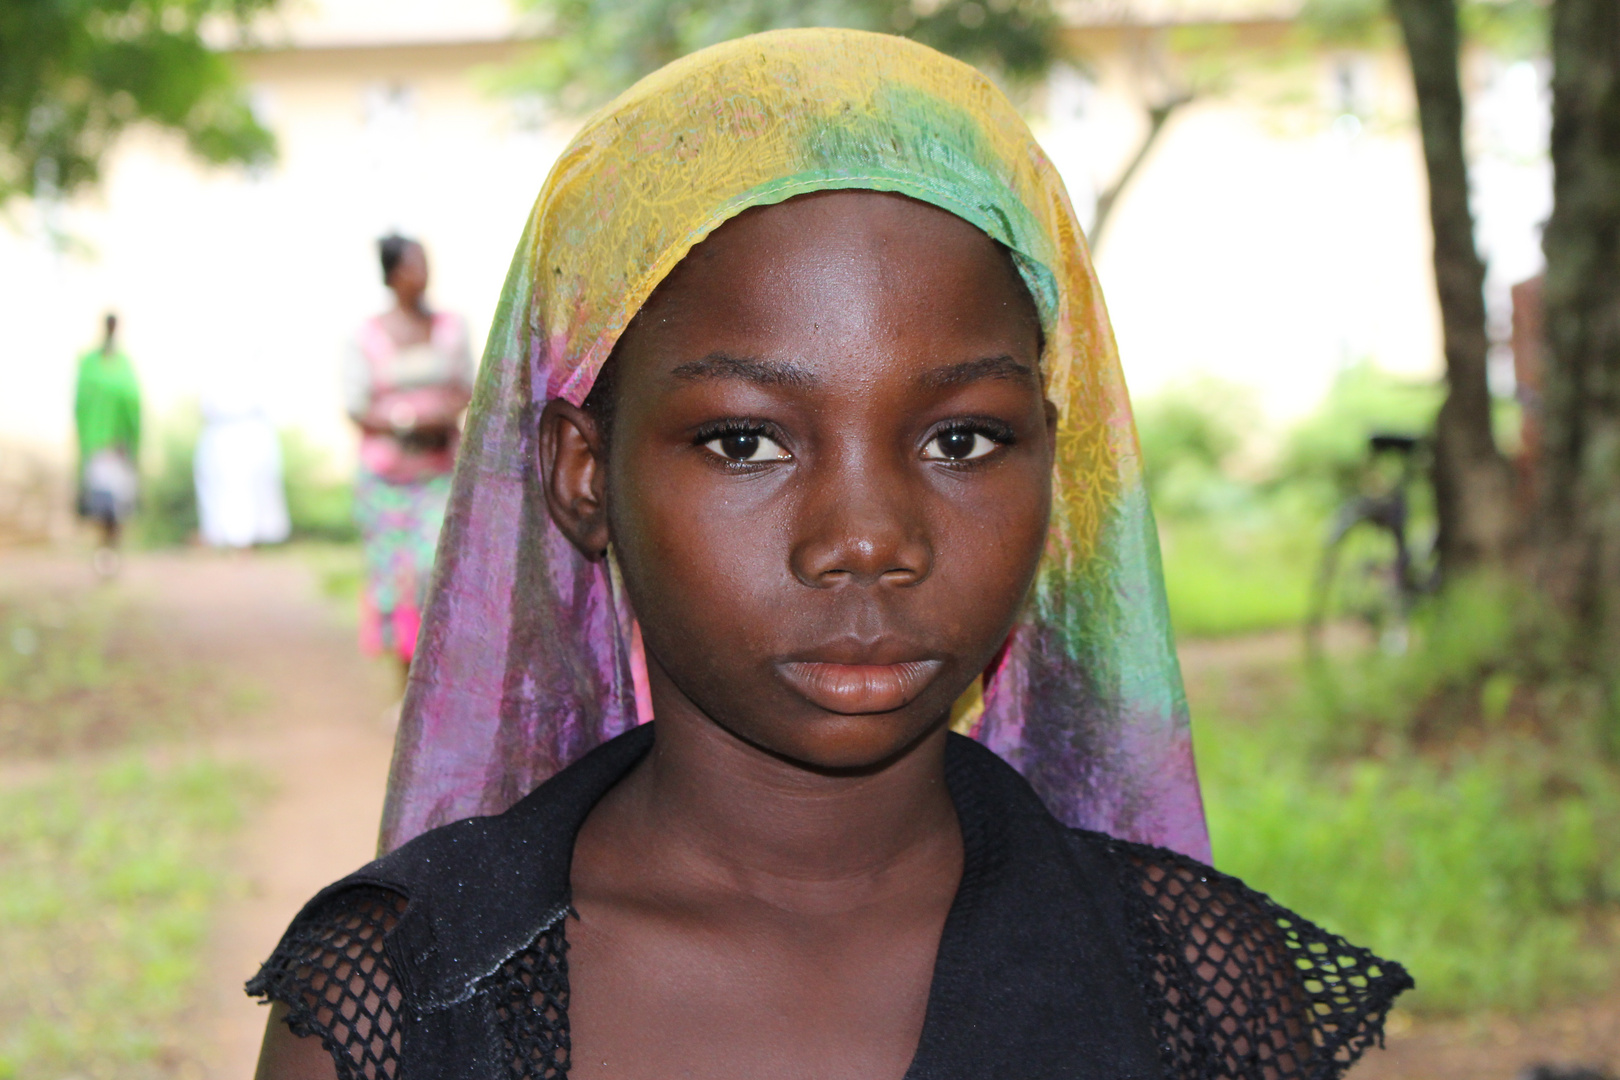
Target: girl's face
829	476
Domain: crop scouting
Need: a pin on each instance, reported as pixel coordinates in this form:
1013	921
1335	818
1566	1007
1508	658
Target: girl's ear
573	474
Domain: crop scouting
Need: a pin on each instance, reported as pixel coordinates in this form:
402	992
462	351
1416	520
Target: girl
803	432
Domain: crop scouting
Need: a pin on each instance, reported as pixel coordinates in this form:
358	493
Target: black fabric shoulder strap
482	889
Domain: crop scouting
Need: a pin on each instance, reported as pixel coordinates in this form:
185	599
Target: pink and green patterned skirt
399	528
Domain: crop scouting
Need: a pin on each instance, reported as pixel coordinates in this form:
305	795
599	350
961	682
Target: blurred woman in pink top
407	379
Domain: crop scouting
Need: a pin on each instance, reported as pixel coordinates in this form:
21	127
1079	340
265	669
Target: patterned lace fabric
531	1007
1242	988
1238	987
331	972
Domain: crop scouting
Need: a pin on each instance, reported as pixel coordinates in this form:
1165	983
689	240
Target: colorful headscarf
529	655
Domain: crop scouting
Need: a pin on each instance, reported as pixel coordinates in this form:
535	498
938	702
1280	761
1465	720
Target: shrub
1455	805
168	502
320	504
1479	874
1237	552
1327	451
1485	655
1190	434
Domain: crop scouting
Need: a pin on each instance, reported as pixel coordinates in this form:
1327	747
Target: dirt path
319	734
1499	1048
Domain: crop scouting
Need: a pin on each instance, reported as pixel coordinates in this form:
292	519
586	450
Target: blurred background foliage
320	499
592	49
1243	511
74	74
1509	28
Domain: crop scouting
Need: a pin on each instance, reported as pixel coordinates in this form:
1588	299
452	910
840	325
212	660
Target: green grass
110	865
89	670
1224	581
1467	874
108	877
1454	807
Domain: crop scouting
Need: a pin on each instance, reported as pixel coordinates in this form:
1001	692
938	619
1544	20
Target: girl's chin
842	744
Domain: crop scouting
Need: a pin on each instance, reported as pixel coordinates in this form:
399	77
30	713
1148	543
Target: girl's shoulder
470	909
337	978
1237	984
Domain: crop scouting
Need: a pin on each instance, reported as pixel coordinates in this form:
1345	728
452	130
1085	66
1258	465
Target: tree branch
1158	116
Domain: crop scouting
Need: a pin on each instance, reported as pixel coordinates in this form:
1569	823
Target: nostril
894	576
864	549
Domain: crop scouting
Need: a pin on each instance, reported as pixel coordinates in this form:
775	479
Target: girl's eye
746	446
958	444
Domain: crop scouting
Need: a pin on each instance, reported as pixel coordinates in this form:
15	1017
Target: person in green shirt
107	414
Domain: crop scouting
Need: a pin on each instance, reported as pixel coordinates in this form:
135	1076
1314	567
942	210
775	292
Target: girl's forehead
840	264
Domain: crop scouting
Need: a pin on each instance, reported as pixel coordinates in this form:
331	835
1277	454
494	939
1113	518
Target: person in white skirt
241	494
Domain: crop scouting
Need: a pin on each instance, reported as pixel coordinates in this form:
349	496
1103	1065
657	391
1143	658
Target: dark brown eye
739	447
749	446
958	444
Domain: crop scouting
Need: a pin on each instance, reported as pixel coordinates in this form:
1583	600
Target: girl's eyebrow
764	372
989	367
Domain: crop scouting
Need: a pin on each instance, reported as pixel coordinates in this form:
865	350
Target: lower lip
855	689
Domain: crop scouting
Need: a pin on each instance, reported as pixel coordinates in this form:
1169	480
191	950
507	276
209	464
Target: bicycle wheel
1359	602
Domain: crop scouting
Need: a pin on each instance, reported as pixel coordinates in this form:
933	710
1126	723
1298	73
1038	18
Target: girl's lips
854	689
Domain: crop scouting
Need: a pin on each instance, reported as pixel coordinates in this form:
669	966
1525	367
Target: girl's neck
710	808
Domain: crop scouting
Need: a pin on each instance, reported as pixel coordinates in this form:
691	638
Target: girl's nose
865	530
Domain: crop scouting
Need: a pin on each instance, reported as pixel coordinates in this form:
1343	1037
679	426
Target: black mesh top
1233	986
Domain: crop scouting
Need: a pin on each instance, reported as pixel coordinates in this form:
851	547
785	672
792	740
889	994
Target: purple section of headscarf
522	667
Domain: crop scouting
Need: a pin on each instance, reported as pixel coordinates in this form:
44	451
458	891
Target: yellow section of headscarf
764	118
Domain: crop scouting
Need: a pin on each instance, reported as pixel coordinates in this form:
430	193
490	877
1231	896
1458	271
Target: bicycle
1371	572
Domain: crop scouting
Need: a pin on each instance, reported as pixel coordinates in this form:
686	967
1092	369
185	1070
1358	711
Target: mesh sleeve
1242	988
530	995
332	973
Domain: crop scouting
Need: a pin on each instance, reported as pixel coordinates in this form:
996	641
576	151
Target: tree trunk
1158	116
1578	529
1473	484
